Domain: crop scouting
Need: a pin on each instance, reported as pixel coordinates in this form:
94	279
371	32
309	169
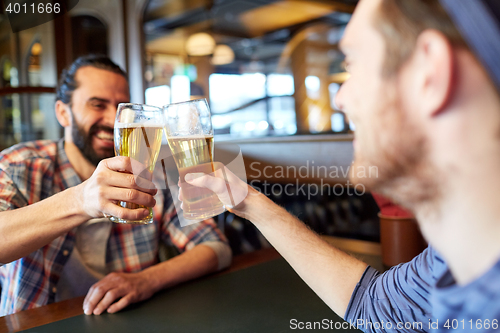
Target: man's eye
98	106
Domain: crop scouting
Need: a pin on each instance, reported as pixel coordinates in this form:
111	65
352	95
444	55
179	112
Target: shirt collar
69	175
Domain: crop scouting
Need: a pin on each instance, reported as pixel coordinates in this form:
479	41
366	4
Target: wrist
76	202
150	279
256	205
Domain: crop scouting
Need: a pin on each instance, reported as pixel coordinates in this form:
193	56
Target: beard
400	154
83	141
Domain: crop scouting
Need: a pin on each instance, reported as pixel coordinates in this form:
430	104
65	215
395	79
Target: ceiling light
223	55
200	44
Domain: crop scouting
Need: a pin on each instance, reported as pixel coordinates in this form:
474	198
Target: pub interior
272	93
270	71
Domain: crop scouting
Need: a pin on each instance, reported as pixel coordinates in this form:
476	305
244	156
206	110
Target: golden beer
195	154
142	142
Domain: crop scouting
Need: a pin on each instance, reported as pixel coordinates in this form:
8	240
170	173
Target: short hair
67	83
401	21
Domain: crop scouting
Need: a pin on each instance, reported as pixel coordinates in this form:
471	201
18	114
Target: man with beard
424	95
55	243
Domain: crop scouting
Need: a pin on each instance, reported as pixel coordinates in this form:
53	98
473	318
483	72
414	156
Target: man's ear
436	63
63	114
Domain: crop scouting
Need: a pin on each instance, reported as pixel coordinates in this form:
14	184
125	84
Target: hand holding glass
190	136
137	134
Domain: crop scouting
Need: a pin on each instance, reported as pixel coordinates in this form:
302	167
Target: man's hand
231	190
29	228
118	179
127	288
332	274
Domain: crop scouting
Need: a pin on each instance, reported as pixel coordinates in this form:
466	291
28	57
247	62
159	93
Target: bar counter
259	293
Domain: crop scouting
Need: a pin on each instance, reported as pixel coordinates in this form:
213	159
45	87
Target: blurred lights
36	49
263	125
181	88
221	121
250	126
278	125
313	84
14	79
280	84
291	129
200	44
187	69
148	75
158	96
230	91
337	120
237	128
223	55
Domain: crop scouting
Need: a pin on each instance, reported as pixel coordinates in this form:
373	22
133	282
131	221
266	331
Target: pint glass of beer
138	134
189	132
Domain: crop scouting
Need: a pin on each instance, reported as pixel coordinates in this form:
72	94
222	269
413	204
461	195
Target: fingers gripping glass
189	132
137	134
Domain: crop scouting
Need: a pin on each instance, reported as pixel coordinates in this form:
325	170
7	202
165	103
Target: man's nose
339	99
109	116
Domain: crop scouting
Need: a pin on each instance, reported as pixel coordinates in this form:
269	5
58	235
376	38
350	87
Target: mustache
96	128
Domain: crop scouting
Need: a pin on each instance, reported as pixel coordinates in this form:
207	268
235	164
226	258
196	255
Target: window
27	85
252	104
274	74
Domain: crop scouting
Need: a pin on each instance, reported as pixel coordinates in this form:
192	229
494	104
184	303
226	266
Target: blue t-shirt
422	296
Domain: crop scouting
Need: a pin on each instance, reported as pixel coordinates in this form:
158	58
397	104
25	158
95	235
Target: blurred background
270	70
267	67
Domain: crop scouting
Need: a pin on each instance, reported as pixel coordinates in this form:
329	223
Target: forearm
198	261
331	273
29	228
26	229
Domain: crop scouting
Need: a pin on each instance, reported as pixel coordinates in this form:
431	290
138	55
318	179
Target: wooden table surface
73	307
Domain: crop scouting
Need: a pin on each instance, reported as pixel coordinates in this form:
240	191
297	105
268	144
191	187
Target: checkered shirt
33	171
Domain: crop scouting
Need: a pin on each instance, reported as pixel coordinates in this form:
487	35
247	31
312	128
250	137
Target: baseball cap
479	23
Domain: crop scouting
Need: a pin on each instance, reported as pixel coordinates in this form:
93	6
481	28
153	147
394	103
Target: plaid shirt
33	171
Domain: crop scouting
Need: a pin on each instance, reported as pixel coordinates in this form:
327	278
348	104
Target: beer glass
138	134
190	136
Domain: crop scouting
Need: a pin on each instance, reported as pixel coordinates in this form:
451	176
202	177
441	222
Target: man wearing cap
424	95
56	244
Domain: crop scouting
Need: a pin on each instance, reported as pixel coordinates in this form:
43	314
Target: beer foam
149	124
191	137
127	116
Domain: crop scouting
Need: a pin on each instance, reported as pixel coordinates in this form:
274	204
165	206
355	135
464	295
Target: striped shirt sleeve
400	295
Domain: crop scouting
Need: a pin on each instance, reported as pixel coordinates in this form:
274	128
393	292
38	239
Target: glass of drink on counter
188	128
138	135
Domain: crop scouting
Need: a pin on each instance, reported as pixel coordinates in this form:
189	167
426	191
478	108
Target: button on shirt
33	171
